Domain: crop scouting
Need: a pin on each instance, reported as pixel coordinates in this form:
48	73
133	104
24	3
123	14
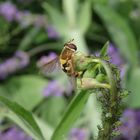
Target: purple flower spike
78	134
52	32
53	89
115	55
3	73
116	58
130	128
14	134
40	21
137	114
11	65
23	57
8	10
24	18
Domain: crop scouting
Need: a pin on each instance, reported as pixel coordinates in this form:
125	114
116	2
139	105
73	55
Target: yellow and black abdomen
65	66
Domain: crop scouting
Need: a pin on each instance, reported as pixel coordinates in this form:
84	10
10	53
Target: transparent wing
51	66
73	82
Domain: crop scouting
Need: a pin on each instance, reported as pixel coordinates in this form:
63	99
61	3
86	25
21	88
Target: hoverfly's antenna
69	42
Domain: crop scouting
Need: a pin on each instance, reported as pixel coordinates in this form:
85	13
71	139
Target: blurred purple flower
53	89
14	134
130	128
78	134
24	18
11	65
116	58
52	33
23	58
40	21
137	116
8	10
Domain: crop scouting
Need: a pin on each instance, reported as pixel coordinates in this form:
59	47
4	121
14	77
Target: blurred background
32	32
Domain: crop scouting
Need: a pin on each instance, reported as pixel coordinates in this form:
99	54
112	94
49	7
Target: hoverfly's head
71	46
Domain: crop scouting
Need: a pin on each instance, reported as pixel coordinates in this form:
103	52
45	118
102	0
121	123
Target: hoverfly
65	61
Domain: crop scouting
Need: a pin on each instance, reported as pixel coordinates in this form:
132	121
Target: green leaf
120	31
24	88
24	116
53	111
93	113
103	2
103	51
69	10
44	127
74	110
28	39
133	84
41	37
57	18
84	17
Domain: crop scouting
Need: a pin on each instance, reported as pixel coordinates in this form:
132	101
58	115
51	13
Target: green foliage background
91	23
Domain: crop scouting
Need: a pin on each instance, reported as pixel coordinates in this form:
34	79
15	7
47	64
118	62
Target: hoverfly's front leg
81	75
71	69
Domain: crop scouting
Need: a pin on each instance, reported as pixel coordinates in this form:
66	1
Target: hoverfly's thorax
66	59
67	53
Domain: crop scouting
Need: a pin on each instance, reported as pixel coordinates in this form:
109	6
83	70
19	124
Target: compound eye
72	46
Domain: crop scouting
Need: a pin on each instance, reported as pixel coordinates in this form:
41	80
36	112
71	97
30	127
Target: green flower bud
90	72
101	77
82	62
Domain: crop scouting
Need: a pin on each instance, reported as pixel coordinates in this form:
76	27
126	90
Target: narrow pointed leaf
84	17
23	115
74	110
28	39
103	51
57	18
120	31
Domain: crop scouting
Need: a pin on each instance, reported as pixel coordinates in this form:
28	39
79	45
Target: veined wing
73	82
51	66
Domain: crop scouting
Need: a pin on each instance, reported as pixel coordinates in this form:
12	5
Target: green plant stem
107	123
110	94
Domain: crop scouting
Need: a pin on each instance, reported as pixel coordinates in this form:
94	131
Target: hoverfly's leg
75	73
67	68
80	75
72	70
69	41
